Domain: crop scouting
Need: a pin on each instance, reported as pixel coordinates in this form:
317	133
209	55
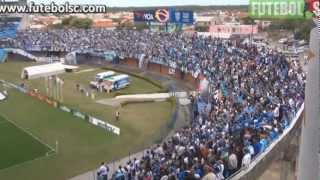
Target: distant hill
194	8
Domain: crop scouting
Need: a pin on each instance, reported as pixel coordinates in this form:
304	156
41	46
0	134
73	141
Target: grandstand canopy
33	72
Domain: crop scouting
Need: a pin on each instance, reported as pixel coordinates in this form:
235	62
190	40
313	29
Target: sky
137	3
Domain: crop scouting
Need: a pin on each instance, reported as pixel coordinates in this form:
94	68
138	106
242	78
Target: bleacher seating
8	29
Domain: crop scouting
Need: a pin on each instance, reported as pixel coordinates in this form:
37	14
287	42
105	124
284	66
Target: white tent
2	97
46	70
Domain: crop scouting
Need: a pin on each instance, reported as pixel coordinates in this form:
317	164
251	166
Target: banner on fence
105	125
65	108
79	114
172	67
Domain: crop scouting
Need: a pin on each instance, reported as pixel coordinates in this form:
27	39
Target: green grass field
81	146
13	140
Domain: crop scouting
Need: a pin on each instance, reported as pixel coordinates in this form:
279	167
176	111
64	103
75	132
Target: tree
202	28
73	21
248	20
299	27
141	26
81	23
66	21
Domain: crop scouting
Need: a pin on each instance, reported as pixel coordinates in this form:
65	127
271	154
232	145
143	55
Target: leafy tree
74	22
202	28
141	26
66	21
81	23
248	20
299	27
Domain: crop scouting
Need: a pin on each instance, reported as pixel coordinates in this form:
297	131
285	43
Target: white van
104	75
117	82
100	77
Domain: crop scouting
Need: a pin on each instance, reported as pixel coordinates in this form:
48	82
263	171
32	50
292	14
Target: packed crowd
254	93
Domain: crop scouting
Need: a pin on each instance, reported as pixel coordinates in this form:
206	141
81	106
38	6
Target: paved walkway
116	101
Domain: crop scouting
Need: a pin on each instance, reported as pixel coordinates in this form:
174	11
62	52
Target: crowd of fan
254	93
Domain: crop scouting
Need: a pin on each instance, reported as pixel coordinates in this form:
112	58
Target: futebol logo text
277	8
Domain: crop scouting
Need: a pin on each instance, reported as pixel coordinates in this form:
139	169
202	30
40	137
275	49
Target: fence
169	126
163	69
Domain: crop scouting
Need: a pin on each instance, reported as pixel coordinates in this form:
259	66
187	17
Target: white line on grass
48	154
29	133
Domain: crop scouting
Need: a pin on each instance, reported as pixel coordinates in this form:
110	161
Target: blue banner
183	17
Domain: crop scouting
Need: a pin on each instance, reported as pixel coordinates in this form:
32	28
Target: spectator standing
209	174
246	158
103	172
232	163
117	115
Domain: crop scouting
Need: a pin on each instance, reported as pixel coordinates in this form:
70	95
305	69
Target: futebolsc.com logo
277	8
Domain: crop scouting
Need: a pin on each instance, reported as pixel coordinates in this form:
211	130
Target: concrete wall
163	70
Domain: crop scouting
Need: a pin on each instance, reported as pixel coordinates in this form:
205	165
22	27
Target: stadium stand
254	93
8	29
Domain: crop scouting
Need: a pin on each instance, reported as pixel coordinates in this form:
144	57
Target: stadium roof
33	72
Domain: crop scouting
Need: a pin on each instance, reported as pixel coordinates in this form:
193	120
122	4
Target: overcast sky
137	3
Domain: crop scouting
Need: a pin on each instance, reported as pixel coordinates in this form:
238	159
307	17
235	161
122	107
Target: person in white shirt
232	162
103	172
246	158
